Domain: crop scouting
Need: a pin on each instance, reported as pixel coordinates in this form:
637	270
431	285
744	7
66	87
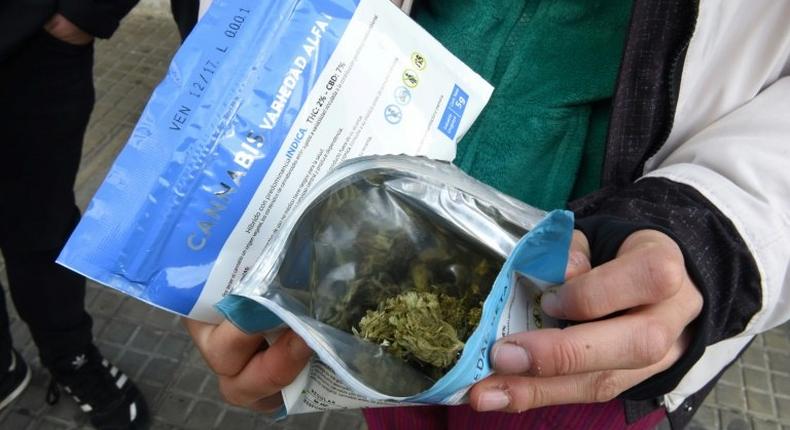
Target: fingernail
298	349
493	400
577	259
550	303
509	358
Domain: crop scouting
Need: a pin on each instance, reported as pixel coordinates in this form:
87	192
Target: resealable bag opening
409	239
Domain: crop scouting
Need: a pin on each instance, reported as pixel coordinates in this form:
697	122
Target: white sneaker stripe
13	362
86	408
132	411
114	371
121	381
105	363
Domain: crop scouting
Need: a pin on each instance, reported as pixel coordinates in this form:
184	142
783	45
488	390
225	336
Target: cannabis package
400	272
263	99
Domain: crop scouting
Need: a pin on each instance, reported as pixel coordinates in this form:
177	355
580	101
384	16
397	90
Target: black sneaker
13	380
101	390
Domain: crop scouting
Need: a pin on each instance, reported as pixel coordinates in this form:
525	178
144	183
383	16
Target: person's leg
412	418
14	372
47	89
185	14
5	334
594	416
48	95
50	299
591	416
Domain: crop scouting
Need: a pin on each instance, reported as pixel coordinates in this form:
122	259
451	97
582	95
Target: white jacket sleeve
741	164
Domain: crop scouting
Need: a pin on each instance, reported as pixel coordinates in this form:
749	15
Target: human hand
61	28
633	312
250	373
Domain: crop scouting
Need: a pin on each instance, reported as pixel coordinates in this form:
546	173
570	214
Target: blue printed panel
203	143
453	112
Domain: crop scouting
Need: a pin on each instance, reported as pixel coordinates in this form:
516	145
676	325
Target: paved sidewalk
153	349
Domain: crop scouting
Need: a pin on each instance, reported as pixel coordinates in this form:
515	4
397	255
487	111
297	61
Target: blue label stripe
454	111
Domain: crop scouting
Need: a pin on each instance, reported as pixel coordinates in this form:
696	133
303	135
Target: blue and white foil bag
299	278
262	100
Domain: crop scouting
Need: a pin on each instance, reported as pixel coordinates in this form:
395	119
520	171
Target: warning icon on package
419	61
393	114
402	95
410	78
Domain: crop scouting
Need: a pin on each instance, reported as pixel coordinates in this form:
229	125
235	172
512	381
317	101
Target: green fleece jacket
554	64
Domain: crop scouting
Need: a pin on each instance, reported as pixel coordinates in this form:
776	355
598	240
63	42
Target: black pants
46	96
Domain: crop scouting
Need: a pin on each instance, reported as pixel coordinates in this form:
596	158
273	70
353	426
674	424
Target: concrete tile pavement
153	349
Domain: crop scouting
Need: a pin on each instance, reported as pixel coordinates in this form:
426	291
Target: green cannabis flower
413	324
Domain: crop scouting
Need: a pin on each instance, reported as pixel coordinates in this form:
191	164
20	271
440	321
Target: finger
686	305
626	342
225	348
268	405
519	393
268	371
578	256
650	270
636	339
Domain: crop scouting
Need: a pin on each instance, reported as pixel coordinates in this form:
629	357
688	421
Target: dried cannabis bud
393	275
414	324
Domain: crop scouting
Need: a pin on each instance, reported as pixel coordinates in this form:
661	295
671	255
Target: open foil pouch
419	230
